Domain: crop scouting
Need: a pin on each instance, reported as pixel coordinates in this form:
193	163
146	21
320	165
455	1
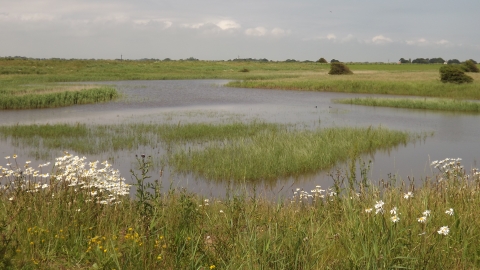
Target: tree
334	61
454	74
337	68
470	66
453	61
403	61
322	60
438	60
420	61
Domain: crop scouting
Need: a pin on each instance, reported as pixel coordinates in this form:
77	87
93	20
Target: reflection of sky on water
455	134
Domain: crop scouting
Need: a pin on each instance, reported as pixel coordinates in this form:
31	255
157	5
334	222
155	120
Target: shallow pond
454	134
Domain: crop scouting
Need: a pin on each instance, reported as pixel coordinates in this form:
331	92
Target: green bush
337	68
322	60
470	66
454	74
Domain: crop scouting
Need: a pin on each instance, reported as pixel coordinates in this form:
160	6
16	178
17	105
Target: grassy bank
56	224
394	79
424	104
412	83
238	151
39	97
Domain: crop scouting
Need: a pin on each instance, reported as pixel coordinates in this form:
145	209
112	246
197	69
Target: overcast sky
347	30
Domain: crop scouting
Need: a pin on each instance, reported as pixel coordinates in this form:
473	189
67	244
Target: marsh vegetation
78	213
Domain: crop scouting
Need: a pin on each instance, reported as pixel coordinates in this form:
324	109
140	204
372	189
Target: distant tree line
437	60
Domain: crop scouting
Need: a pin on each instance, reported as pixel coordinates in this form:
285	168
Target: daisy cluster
451	167
103	185
395	215
315	194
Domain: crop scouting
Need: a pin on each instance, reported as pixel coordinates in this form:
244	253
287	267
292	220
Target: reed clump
239	151
283	153
46	224
37	99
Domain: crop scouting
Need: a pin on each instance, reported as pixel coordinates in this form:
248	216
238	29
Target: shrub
322	60
244	70
470	66
337	68
454	74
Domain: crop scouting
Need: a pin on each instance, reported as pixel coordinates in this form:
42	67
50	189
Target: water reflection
455	134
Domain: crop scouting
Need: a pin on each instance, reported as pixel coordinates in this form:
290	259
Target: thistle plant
146	192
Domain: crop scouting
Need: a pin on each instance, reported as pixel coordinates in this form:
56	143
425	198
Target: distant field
393	79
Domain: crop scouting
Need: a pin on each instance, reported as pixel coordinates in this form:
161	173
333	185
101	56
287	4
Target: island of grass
255	151
424	104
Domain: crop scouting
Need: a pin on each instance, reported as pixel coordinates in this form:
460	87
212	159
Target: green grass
239	151
34	99
424	104
406	79
56	228
269	155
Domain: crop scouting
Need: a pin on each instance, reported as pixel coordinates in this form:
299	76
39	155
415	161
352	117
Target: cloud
380	39
331	37
279	32
192	26
420	41
227	24
257	31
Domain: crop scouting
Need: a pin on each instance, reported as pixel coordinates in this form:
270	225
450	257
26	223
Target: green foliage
337	68
322	60
244	70
471	66
454	74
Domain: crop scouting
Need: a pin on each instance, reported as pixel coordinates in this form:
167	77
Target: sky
346	30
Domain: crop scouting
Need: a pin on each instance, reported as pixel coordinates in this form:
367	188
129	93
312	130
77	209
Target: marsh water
454	134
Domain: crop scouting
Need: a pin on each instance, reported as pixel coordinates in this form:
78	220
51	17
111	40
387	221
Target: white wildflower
449	212
426	213
444	230
422	219
395	219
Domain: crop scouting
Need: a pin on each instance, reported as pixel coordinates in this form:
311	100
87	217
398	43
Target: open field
392	79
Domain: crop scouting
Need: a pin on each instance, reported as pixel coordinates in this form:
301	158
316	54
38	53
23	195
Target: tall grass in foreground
55	225
39	100
425	104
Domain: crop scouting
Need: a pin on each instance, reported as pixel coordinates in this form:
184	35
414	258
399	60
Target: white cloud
145	22
380	39
331	37
279	32
257	31
443	42
227	24
420	41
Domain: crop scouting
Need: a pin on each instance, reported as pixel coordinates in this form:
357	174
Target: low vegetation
61	220
39	97
235	151
424	104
